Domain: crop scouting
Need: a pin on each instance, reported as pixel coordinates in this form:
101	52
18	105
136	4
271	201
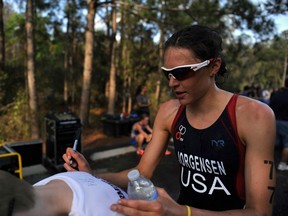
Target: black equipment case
61	129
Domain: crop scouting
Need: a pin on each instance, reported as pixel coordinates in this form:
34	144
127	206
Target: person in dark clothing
142	101
224	143
279	104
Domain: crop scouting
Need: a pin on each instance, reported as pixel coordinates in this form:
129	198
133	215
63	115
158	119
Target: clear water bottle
139	187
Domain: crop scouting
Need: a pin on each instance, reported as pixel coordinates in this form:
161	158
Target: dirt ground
91	135
94	132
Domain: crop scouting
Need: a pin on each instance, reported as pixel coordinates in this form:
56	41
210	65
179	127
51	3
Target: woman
142	101
141	133
224	142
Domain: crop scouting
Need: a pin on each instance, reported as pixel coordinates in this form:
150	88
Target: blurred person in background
141	134
142	101
279	104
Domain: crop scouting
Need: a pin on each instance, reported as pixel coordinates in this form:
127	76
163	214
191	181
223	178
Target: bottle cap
133	175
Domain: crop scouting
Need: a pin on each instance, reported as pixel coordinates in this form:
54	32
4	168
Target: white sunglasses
181	72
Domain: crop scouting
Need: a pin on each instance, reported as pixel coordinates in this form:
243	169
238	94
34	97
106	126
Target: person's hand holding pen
72	162
75	144
78	160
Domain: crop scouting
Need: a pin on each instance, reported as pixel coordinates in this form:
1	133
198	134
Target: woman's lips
180	94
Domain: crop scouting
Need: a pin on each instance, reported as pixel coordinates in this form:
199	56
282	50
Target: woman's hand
163	205
148	137
79	162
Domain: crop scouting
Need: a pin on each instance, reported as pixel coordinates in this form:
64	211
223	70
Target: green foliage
14	119
277	6
245	15
15	39
3	77
13	80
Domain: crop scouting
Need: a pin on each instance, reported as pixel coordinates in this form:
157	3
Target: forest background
88	57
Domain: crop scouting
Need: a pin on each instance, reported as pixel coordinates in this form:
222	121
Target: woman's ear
215	65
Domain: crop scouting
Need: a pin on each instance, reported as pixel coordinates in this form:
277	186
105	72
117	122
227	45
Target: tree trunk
285	70
69	86
124	101
158	83
33	104
66	52
161	53
2	38
129	109
122	59
112	79
88	61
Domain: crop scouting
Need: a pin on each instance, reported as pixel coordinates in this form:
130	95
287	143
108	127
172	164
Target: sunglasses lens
179	73
166	73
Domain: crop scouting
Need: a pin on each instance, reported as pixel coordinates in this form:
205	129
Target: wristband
188	210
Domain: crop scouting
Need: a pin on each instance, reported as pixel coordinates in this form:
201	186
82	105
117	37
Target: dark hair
203	41
286	82
143	116
139	89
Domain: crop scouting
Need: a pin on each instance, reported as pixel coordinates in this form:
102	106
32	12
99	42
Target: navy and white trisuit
211	161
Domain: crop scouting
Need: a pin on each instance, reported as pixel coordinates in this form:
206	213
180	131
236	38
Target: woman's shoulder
250	103
168	109
252	108
171	105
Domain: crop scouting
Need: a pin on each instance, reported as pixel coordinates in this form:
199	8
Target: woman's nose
173	82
